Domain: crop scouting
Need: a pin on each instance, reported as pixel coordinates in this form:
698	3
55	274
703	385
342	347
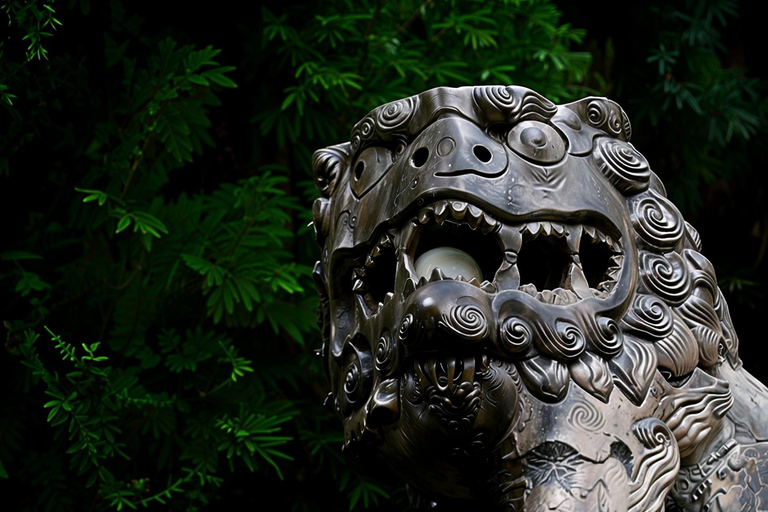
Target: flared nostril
420	157
482	153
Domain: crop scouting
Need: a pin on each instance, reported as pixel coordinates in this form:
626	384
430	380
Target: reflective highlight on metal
588	362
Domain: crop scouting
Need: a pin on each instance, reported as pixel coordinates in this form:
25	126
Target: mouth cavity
564	263
557	263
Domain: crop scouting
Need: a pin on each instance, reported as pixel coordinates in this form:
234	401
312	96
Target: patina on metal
516	317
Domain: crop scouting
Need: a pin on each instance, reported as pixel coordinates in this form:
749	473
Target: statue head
513	312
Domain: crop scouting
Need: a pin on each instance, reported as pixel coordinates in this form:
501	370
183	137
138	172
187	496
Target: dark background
720	189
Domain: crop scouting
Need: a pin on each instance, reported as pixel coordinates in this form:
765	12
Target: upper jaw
554	259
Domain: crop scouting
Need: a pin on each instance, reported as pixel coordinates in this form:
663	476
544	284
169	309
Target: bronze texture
587	361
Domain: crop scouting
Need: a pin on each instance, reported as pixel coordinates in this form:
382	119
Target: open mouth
556	262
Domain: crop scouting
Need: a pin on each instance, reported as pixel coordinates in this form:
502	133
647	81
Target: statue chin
516	317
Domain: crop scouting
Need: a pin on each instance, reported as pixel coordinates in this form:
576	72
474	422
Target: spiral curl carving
354	141
652	432
586	416
596	113
603	333
352	378
327	164
650	316
657	221
565	342
393	115
387	354
614	122
366	128
624	167
572	338
355	381
515	335
496	101
466	321
666	276
405	332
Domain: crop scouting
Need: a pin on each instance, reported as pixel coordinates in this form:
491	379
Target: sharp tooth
460	278
369	262
532	228
459	209
573	238
600	235
605	286
388	297
558	228
424	216
376	252
409	288
359	273
386	241
358	286
422	282
473	222
474	282
488	224
576	281
441	211
380	305
437	275
474	211
488	287
590	231
546	228
617	260
528	288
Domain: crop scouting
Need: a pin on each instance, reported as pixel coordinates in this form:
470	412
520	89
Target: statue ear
328	164
603	114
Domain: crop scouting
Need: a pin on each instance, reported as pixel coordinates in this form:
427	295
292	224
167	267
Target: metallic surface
594	367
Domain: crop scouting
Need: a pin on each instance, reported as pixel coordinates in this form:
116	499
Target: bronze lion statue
515	317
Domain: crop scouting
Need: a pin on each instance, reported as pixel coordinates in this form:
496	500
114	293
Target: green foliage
709	111
352	56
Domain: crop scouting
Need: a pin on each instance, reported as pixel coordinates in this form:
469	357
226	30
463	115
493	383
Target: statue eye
537	142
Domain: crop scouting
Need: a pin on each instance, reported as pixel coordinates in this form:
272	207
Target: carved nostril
482	153
419	157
